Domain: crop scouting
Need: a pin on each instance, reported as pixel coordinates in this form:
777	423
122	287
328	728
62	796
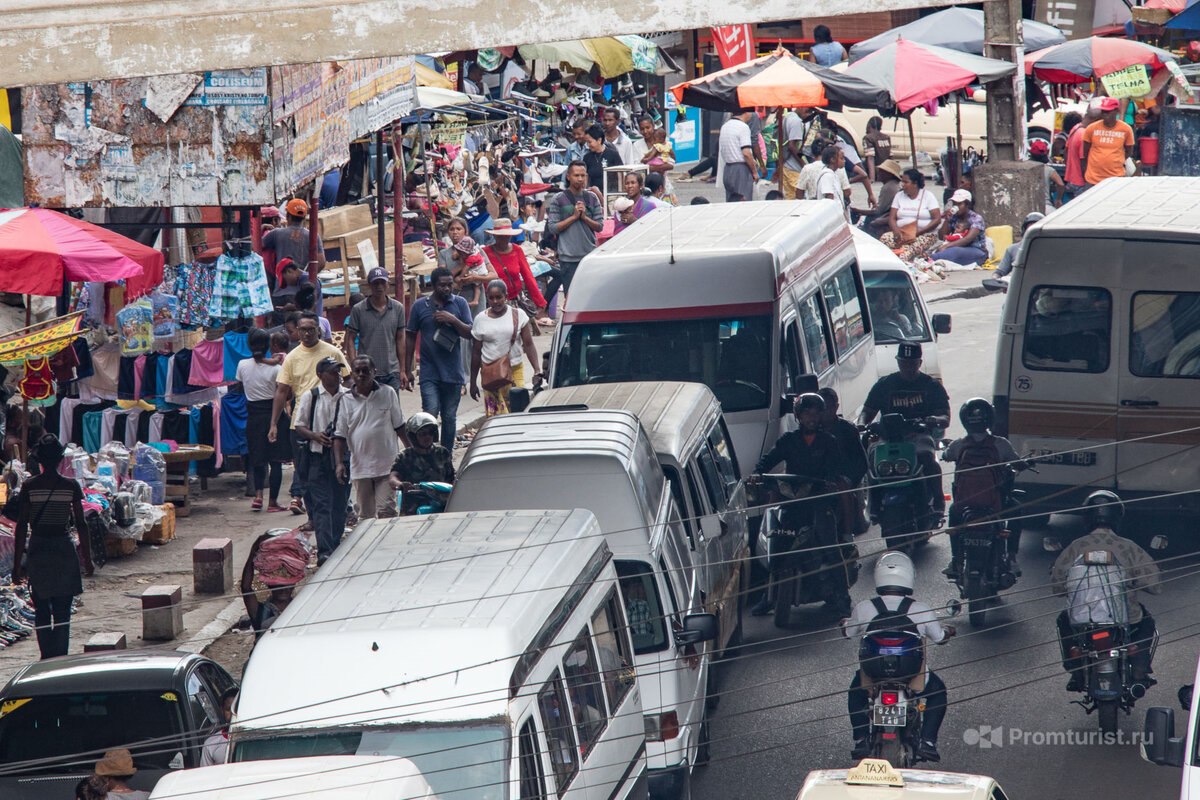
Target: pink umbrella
41	248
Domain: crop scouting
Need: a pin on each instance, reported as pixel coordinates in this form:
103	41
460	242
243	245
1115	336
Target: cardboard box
334	222
117	548
164	531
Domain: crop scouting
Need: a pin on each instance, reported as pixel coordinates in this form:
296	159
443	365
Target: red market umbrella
914	73
41	248
1080	60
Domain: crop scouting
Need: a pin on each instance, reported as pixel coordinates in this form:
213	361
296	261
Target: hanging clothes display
165	308
240	289
37	387
194	287
136	325
236	349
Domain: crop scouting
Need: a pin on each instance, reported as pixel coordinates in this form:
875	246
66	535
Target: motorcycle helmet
976	415
1103	509
894	573
419	421
1031	219
809	401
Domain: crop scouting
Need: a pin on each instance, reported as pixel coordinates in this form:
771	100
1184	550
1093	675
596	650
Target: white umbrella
429	97
570	52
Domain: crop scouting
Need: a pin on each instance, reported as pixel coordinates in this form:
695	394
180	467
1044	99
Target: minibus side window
676	483
843	298
713	482
1068	329
616	661
529	761
643	607
587	694
791	355
723	451
816	333
556	720
1163	334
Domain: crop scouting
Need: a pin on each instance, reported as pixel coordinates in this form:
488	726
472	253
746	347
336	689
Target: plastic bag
120	458
139	489
106	474
148	464
149	515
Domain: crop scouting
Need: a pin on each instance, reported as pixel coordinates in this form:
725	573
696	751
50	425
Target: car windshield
895	310
730	355
458	761
65	725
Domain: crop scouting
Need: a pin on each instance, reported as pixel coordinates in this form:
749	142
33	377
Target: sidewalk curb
215	629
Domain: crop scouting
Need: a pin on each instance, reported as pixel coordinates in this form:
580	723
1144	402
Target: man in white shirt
854	168
370	421
317	415
828	185
472	84
610	120
737	157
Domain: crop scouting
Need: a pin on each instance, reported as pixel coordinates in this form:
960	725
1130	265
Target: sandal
275	507
256	504
297	506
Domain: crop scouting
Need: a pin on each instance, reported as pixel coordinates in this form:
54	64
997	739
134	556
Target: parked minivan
1098	362
691	441
898	309
602	460
490	649
746	298
313	778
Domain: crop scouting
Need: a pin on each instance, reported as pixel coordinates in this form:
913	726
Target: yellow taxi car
876	779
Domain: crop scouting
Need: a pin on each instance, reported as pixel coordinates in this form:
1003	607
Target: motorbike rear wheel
976	602
1107	711
896	526
892	751
785	594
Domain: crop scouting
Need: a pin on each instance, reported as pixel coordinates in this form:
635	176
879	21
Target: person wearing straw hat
513	268
117	766
876	219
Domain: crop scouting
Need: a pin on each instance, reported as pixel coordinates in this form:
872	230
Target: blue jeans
391	379
441	399
327	498
966	256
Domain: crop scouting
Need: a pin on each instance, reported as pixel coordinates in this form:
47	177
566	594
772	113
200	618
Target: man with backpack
981	476
1129	568
895	610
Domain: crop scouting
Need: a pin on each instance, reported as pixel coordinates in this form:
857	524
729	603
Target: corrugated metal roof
1121	206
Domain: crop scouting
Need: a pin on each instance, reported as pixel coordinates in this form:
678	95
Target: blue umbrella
958	29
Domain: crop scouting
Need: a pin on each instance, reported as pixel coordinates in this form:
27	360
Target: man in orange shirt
1106	144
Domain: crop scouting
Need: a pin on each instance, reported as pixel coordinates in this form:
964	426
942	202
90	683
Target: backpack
888	620
1096	590
975	486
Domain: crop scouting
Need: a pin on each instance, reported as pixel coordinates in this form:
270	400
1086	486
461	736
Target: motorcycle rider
975	487
813	453
855	457
1103	511
894	585
917	397
423	460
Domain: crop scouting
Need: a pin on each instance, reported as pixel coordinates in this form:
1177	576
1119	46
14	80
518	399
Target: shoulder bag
495	375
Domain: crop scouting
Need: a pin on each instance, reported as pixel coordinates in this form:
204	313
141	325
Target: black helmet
976	415
809	401
1103	509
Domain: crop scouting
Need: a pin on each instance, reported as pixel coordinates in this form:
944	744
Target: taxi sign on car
876	779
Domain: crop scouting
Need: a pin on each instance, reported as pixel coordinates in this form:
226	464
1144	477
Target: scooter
899	500
892	669
789	531
429	497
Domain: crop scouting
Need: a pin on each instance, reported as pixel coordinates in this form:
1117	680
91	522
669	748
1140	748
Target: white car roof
919	784
315	777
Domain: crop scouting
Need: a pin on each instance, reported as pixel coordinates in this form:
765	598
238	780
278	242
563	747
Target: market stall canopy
778	79
572	53
56	41
430	97
913	74
427	76
40	249
957	29
1080	60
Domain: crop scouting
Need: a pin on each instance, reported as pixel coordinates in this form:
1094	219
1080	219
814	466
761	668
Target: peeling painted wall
51	41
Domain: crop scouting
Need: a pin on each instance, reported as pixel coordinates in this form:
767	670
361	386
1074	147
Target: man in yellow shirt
1106	144
297	375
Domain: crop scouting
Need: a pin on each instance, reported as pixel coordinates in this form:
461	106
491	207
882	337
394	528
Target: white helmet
894	573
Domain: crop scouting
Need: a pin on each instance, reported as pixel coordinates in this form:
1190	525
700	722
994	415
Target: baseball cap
909	350
960	196
296	207
1039	147
377	274
328	363
1109	104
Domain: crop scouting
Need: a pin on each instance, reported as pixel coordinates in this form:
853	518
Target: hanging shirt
240	288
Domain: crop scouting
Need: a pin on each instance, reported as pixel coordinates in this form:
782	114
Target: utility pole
1007	187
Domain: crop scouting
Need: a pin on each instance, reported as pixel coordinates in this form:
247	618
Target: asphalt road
782	711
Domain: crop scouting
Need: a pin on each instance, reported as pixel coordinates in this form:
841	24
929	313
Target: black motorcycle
1103	652
797	540
899	500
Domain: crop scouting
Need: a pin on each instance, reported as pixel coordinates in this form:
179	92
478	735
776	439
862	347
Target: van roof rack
564	407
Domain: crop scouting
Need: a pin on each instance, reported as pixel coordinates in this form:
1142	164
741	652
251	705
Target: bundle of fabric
281	560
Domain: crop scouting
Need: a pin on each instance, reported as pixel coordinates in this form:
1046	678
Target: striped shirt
47	508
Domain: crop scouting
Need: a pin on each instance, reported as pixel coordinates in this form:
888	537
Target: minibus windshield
895	311
457	761
730	355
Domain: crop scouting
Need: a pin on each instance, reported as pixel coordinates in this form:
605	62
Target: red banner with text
735	44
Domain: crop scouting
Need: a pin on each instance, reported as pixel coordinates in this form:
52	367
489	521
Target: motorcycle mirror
1159	543
1052	544
994	285
953	608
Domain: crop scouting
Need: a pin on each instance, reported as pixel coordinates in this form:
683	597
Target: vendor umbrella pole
912	139
398	211
779	148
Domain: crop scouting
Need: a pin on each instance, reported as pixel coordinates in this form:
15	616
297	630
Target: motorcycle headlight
884	469
902	467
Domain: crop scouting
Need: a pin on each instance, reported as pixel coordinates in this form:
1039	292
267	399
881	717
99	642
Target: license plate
977	542
891	716
1085	458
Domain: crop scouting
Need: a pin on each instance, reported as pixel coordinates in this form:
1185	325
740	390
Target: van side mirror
697	628
518	399
1161	746
941	323
1185	696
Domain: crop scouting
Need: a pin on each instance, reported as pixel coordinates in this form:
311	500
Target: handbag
495	375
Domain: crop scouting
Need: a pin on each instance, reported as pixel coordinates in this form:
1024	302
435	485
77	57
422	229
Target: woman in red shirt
513	268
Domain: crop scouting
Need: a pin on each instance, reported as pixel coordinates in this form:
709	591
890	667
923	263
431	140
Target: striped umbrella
1080	60
41	248
913	73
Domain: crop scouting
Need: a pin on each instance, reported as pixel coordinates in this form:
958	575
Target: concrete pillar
1003	39
212	566
1006	191
162	613
105	640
